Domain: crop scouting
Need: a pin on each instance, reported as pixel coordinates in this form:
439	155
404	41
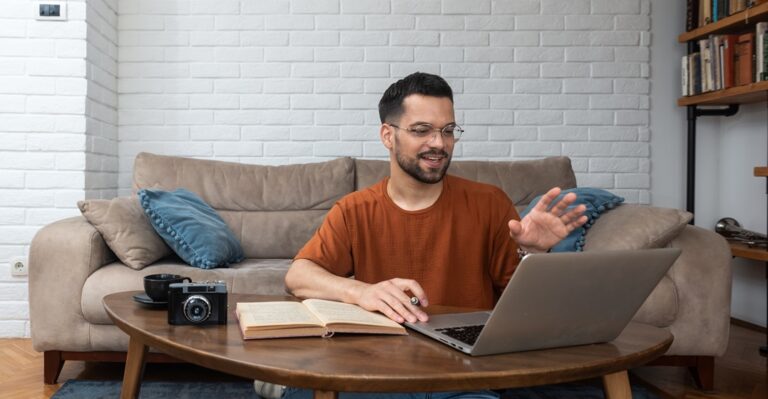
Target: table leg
326	394
616	385
134	369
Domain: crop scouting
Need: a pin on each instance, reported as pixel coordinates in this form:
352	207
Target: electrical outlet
50	10
19	266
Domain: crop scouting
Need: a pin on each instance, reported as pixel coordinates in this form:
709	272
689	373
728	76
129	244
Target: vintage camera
198	303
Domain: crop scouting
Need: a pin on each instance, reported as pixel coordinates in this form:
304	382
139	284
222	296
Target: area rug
80	389
592	389
77	389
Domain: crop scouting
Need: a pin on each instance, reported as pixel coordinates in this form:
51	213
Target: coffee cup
156	285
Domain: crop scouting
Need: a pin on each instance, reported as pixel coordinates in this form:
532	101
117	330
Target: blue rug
592	389
77	389
81	389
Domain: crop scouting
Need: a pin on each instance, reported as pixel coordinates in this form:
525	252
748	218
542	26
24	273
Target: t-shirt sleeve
330	246
504	259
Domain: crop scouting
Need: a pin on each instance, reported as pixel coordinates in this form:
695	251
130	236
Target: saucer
143	298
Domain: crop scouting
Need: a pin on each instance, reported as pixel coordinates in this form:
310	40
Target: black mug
157	285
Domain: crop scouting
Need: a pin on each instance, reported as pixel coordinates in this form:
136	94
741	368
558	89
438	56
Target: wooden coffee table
372	363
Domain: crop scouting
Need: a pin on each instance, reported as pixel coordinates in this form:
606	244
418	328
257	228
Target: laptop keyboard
466	334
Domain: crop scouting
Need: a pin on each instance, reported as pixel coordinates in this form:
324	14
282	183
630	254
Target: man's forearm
306	279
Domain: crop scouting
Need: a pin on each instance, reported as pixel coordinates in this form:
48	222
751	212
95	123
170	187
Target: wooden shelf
743	251
761	171
751	93
738	22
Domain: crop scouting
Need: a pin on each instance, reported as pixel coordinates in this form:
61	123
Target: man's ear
385	134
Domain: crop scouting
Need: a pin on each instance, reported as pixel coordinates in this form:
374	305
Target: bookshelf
701	105
738	22
743	251
746	94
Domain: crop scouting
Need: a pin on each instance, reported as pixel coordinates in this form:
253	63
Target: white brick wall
42	137
533	78
287	81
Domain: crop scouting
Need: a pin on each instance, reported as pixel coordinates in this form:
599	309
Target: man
421	233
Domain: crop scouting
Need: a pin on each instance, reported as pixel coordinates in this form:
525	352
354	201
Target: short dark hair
391	103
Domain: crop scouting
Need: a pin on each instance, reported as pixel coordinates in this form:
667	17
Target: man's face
425	159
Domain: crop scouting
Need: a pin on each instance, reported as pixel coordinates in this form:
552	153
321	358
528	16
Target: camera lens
197	309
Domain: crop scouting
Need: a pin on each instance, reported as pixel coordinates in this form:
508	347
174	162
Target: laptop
556	300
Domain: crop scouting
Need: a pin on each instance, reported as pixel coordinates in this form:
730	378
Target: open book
311	317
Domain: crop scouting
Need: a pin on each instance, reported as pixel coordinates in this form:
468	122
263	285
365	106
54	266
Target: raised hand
548	222
389	298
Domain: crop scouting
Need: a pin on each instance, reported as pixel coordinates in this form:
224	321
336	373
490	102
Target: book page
275	314
339	312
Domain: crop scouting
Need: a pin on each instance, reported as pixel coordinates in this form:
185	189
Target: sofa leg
704	372
702	368
52	364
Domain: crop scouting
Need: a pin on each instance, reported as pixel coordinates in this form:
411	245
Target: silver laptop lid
564	299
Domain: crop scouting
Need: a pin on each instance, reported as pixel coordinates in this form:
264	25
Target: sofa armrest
702	278
61	257
693	300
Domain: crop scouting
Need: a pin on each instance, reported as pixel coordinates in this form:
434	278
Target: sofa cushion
126	230
192	228
596	201
272	210
522	181
251	276
636	227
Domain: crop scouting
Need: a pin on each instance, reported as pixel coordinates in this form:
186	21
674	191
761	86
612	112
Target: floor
740	373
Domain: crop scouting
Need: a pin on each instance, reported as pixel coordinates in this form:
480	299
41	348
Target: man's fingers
563	204
387	310
400	308
546	199
578	222
414	287
573	214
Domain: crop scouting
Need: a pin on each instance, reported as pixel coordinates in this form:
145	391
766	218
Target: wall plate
50	10
19	266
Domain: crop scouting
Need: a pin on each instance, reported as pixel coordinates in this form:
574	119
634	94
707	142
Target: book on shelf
705	12
760	29
718	10
695	68
691	15
691	76
728	46
743	59
717	62
311	317
737	6
706	66
686	80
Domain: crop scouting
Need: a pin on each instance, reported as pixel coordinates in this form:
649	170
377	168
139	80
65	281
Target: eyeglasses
449	132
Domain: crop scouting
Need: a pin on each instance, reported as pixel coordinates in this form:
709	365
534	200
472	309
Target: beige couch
273	210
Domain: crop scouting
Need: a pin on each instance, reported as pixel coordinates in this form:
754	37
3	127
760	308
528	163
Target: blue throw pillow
191	228
597	201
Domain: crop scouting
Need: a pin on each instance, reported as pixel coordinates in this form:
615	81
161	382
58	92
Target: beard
412	168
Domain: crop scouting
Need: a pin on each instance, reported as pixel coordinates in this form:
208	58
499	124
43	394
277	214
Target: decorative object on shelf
732	230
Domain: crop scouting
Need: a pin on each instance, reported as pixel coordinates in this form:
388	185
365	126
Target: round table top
376	363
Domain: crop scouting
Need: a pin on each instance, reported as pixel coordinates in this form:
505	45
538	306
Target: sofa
274	210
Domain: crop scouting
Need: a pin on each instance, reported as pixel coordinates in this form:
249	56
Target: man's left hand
546	224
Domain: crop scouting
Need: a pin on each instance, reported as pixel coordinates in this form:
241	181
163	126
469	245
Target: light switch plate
50	10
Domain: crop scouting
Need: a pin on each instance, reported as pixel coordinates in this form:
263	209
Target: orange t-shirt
459	249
